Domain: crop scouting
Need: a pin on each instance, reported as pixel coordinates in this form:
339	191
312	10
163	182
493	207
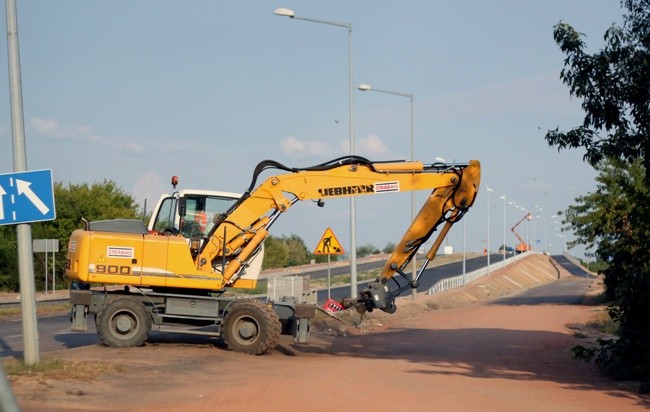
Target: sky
138	91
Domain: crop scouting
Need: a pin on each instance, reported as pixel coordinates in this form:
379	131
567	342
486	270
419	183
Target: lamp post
536	216
31	353
365	88
353	237
564	239
503	197
488	225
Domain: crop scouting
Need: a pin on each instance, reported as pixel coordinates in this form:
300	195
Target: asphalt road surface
54	331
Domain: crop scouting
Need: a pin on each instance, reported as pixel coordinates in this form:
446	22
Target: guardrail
39	302
462	280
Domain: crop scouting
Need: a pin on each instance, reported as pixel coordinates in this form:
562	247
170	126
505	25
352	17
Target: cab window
166	215
200	213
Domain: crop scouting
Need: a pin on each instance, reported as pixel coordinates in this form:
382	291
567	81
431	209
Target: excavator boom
454	189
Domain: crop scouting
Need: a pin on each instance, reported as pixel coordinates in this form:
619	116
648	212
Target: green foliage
605	218
389	248
276	254
598	266
613	219
98	201
8	259
614	86
286	251
366	250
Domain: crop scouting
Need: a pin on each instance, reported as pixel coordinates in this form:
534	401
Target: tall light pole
23	231
538	210
365	88
488	225
564	239
503	197
516	207
353	235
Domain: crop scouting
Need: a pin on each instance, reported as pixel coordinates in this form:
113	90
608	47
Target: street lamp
365	88
503	197
353	237
488	226
564	239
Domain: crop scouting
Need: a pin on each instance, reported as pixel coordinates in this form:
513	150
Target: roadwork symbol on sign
26	197
329	244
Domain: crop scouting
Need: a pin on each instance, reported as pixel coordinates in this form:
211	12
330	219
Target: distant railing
462	280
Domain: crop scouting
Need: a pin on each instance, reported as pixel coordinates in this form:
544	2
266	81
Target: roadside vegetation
60	369
41	310
613	85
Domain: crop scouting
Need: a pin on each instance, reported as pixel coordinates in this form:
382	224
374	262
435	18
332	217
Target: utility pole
23	231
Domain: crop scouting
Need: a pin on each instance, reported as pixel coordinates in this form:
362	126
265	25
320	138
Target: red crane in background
522	246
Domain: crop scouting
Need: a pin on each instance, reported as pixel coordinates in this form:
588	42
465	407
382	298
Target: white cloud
133	148
148	186
371	146
53	129
294	147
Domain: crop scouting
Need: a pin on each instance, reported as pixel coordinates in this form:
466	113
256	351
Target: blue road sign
26	197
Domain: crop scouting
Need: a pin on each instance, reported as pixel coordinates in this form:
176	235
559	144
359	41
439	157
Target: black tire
251	327
123	322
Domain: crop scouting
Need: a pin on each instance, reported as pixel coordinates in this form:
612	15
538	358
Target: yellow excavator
200	244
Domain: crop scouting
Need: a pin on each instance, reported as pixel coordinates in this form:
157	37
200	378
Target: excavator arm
239	233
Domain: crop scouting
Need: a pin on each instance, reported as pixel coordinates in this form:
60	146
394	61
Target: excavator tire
251	327
123	322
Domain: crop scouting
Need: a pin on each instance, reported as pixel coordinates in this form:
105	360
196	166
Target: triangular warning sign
329	244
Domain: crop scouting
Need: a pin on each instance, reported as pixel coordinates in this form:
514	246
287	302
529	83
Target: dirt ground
453	351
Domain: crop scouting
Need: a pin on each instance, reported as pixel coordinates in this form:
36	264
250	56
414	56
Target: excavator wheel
123	322
251	327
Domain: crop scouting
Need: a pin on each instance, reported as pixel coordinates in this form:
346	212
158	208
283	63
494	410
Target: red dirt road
473	357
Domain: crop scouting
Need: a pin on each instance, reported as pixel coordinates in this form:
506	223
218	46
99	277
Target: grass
15	311
603	323
60	369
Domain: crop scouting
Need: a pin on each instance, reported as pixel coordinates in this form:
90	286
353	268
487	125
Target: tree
8	259
603	220
614	86
614	220
97	201
286	251
276	254
366	250
389	248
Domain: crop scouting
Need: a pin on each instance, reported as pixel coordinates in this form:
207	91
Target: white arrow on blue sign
26	197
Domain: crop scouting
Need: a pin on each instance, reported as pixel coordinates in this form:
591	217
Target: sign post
328	245
47	245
